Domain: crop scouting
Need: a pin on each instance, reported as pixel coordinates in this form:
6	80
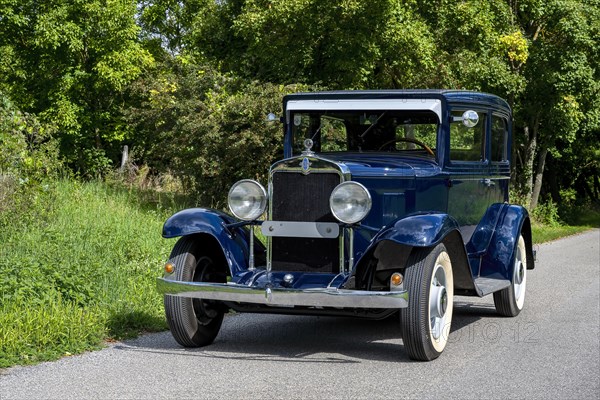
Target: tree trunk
539	173
124	158
552	180
529	161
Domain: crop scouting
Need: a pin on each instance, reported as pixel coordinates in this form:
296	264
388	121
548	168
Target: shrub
206	128
547	213
29	161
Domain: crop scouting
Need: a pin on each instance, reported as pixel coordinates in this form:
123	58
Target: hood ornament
308	144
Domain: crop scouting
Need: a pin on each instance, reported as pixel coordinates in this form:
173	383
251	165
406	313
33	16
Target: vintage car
386	203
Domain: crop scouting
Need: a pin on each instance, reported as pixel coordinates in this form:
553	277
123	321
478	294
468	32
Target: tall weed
85	273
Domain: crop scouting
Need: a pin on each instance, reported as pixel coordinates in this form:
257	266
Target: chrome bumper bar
317	297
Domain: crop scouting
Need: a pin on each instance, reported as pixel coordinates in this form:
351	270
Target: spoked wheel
425	323
510	301
194	322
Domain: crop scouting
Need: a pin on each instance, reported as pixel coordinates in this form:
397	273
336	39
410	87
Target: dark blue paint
233	241
499	257
421	230
417	201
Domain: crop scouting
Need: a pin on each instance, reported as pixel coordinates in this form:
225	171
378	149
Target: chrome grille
299	197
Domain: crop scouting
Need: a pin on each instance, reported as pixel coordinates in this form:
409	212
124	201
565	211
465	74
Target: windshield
366	131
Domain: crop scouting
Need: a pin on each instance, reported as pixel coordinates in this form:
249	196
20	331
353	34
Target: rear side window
499	138
467	144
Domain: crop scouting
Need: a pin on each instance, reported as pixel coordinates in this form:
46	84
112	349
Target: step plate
491	285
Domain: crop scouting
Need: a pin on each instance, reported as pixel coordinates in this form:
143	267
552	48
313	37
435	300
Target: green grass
81	275
580	220
546	233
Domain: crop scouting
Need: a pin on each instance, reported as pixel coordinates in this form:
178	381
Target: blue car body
455	194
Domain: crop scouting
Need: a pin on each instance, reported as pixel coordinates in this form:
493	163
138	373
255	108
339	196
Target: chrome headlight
247	199
350	202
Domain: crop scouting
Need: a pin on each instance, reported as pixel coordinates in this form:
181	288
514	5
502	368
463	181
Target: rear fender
391	247
499	257
233	241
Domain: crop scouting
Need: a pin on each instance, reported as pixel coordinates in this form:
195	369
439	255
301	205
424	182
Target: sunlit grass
584	220
86	274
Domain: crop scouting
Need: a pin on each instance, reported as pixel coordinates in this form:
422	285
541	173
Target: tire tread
177	309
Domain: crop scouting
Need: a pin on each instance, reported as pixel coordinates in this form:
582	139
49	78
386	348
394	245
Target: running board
491	285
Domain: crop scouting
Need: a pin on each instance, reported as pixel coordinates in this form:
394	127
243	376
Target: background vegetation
186	84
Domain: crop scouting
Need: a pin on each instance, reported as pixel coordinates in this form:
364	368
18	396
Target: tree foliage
206	127
560	102
83	65
69	61
339	44
29	161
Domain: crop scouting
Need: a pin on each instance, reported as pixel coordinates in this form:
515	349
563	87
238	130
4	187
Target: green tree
206	127
559	104
29	162
69	61
339	44
539	55
166	24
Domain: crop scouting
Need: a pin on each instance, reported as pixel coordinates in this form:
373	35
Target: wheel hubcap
438	302
443	302
520	272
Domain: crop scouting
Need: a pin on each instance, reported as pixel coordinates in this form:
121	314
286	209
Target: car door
469	179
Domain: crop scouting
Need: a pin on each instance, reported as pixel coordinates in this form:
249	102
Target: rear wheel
510	301
194	322
425	323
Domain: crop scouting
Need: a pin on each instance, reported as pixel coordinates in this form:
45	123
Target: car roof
446	95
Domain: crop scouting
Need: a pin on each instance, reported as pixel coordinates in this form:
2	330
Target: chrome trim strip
315	297
324	230
350	249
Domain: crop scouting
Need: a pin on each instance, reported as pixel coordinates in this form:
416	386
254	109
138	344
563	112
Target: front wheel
425	323
194	322
510	301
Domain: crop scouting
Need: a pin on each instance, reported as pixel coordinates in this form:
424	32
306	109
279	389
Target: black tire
194	322
425	323
510	301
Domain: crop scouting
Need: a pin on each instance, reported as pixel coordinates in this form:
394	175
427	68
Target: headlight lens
247	199
350	202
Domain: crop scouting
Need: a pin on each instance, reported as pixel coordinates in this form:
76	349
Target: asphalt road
551	350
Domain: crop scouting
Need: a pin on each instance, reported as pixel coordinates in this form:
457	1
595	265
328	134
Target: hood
378	165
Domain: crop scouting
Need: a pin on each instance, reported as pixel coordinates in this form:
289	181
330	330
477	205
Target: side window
467	144
499	138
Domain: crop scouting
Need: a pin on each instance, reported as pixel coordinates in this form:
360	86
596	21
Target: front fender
234	242
196	220
420	230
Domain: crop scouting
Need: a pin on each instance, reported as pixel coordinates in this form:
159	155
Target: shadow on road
319	339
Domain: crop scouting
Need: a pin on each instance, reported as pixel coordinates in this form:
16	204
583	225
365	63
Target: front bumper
314	297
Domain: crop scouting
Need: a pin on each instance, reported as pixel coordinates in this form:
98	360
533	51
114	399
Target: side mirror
273	118
469	118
